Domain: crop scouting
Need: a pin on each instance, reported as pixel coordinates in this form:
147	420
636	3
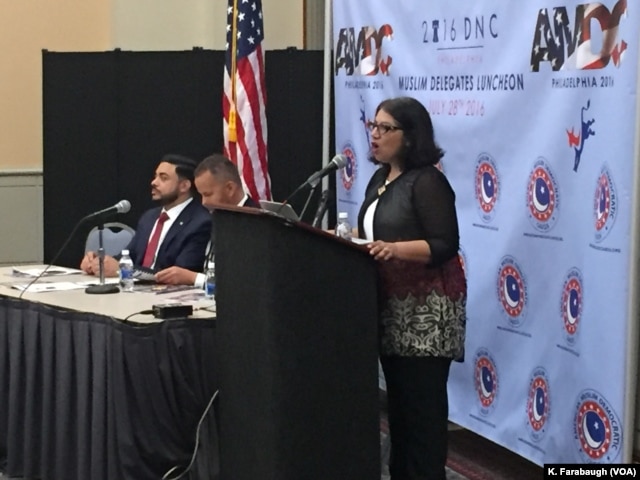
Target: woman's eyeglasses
382	127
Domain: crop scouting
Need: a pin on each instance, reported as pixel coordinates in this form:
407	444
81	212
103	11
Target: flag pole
233	133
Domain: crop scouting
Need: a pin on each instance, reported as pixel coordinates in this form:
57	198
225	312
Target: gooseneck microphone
123	206
337	163
323	204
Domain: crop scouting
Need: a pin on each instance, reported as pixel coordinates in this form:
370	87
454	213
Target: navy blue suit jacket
185	243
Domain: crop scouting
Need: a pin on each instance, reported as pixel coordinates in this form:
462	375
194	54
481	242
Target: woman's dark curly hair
419	145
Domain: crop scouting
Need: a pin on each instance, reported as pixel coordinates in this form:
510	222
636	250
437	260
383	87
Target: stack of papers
51	271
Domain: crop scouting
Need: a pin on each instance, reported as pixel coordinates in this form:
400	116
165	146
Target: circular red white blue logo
598	431
485	380
538	404
571	305
542	197
605	204
487	186
348	173
512	291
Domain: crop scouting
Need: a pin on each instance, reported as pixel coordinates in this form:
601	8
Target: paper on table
48	287
34	272
360	241
107	281
59	286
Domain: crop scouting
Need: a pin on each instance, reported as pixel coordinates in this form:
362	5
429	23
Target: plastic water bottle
343	228
210	281
126	272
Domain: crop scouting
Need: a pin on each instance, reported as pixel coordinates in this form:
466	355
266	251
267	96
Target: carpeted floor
471	457
477	458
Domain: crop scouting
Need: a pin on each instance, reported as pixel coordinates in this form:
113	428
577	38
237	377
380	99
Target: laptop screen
283	209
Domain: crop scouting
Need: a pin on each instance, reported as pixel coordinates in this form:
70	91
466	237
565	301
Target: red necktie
152	246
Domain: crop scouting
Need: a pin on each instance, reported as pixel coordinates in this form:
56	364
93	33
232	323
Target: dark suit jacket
185	243
250	202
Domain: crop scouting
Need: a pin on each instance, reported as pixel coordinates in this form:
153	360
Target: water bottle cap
343	215
125	252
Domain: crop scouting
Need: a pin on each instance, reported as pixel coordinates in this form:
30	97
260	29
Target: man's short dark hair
185	166
219	166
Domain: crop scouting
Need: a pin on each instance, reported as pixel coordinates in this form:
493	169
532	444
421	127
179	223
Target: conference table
91	390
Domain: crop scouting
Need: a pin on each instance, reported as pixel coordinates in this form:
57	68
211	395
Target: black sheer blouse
418	205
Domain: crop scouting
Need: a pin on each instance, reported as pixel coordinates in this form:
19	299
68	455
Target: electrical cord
208	308
195	448
141	312
126	321
55	257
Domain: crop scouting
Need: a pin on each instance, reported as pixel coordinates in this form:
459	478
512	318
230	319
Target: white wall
182	25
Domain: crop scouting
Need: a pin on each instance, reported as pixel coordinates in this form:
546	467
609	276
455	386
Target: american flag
244	100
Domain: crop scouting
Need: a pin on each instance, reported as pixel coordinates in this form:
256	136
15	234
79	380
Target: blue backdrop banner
534	104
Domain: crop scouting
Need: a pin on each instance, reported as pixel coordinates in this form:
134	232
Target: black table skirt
87	397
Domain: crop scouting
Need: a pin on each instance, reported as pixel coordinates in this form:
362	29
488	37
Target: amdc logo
543	200
598	431
512	291
487	186
605	204
538	404
571	305
348	173
485	380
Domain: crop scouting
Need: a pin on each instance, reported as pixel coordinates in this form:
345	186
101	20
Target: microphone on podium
337	163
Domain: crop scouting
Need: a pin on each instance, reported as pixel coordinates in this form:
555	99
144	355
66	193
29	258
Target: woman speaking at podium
409	216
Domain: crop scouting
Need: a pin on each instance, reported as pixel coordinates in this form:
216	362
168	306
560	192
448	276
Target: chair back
115	237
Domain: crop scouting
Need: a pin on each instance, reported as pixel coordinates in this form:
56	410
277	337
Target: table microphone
123	206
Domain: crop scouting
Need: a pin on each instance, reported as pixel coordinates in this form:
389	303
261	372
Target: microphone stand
101	288
311	192
323	206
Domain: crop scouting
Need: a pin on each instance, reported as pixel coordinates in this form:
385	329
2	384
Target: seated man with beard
175	233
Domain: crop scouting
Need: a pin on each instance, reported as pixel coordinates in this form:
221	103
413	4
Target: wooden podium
297	351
